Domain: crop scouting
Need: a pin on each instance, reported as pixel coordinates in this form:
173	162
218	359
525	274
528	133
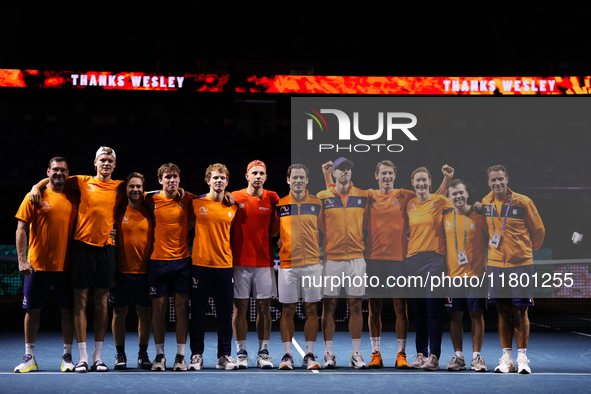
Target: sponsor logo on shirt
447	225
202	211
395	202
264	208
181	205
413	207
125	220
195	281
241	205
515	212
229	214
471	226
45	205
90	188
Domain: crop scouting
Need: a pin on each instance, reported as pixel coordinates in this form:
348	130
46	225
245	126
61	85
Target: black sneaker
179	363
120	361
143	361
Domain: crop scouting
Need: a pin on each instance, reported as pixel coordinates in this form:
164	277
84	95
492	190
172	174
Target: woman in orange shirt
426	258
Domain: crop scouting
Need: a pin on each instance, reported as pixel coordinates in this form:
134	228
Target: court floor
560	361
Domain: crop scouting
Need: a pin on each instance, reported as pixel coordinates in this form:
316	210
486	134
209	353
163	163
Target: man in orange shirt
170	263
253	261
51	224
93	251
212	268
465	235
300	274
515	230
343	218
134	244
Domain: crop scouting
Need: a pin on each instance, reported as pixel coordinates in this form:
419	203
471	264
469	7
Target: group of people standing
125	242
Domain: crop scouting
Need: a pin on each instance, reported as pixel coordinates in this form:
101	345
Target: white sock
159	348
82	351
508	351
401	345
30	348
375	343
240	345
264	345
98	350
180	349
310	347
67	348
287	347
521	352
356	346
328	347
475	354
460	354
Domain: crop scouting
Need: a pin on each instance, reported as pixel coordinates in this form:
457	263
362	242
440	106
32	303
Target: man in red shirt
253	261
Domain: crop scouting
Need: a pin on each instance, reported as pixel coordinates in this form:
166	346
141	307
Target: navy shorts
169	276
420	270
127	286
93	265
38	286
513	283
382	279
464	299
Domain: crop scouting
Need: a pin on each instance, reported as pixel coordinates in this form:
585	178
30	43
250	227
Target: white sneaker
478	364
226	362
67	364
523	365
506	364
330	361
196	362
263	360
357	361
286	362
456	364
432	363
159	363
242	359
27	365
419	362
179	363
310	362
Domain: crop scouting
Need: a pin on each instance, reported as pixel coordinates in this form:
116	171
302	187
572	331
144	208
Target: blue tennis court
560	361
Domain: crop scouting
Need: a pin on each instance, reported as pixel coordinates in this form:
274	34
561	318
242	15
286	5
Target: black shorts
38	285
130	285
93	265
382	279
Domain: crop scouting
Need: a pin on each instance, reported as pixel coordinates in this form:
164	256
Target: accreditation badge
495	240
462	258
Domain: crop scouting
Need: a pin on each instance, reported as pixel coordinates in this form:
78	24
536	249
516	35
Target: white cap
105	150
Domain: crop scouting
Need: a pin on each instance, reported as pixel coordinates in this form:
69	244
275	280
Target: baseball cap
340	161
105	150
256	163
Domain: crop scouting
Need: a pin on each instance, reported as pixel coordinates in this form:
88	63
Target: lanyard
498	213
465	229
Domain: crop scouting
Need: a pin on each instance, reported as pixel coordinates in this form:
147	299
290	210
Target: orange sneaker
401	361
376	360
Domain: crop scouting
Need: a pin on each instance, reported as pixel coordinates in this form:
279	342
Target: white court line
580	333
301	351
